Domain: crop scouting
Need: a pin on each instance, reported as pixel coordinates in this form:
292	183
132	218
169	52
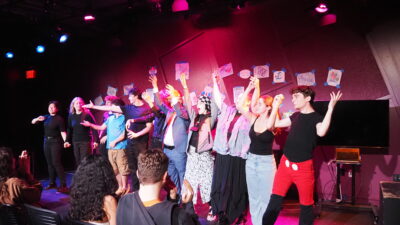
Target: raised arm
175	102
153	80
256	92
216	92
322	128
274	111
242	100
112	108
186	94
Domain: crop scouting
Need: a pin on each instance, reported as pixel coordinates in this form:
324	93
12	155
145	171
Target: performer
103	134
296	165
229	198
80	136
174	132
116	145
260	164
138	133
200	161
54	137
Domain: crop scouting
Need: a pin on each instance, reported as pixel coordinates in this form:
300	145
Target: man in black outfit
144	207
296	165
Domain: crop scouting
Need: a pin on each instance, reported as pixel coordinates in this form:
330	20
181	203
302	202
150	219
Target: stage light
180	5
40	49
321	8
89	17
63	38
9	55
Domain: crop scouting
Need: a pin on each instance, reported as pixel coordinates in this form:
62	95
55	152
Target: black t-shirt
77	132
302	137
261	143
133	112
53	125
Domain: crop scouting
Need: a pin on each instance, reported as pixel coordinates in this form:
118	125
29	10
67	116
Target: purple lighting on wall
180	5
321	8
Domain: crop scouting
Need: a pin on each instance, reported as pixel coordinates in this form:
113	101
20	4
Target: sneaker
51	186
63	189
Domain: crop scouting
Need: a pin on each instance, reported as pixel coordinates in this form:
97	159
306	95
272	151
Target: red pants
301	174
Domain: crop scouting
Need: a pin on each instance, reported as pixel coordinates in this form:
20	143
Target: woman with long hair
93	192
80	136
54	137
260	164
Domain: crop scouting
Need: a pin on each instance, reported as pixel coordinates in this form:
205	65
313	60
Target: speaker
396	177
390	203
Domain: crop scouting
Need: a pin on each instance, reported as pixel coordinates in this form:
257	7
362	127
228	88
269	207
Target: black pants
132	150
52	151
229	196
275	205
81	150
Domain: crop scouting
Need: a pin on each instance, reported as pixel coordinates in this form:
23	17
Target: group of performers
231	169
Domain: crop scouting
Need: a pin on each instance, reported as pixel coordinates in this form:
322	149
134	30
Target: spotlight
180	5
321	8
63	38
40	49
9	55
89	17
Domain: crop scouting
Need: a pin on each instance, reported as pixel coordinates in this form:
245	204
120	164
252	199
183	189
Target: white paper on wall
261	71
307	79
225	70
98	100
334	77
128	88
181	67
112	91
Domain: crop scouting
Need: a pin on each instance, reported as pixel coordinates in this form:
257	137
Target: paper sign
181	67
225	70
334	77
193	98
307	79
261	71
237	91
279	76
112	91
244	74
98	100
128	88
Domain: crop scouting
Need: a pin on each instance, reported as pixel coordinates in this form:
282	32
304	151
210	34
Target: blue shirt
115	127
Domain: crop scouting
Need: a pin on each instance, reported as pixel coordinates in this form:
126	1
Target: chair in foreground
39	216
9	215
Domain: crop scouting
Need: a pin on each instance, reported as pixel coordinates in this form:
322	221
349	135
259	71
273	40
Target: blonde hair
72	108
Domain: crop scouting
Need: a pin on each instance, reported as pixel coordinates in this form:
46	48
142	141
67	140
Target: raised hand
277	100
334	99
88	106
256	81
215	76
182	78
251	85
153	80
